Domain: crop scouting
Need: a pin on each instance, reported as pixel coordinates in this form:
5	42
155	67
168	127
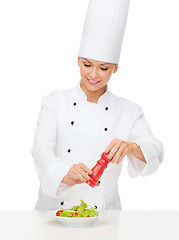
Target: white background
39	42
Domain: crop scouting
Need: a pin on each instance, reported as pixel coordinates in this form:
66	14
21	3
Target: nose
93	73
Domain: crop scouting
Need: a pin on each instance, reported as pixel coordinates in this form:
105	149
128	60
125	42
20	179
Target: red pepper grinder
98	169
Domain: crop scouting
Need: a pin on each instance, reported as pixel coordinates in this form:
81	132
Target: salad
78	211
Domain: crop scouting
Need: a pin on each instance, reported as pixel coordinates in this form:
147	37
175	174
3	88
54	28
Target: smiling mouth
92	82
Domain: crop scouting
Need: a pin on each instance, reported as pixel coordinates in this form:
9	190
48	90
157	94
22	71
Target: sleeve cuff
53	177
62	190
152	158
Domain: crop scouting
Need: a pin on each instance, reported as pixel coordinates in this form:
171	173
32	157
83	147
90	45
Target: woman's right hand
77	174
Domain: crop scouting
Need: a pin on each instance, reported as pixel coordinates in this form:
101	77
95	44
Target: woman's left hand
119	149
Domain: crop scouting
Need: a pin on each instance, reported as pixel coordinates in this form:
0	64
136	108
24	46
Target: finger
73	175
83	174
114	150
122	156
111	145
118	153
76	175
85	168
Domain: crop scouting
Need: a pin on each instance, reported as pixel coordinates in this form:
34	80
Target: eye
90	66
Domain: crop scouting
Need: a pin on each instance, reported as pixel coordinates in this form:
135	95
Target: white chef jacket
72	130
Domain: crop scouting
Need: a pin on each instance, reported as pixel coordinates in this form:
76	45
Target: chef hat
103	30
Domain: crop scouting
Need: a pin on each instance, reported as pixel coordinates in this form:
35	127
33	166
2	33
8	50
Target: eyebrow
100	64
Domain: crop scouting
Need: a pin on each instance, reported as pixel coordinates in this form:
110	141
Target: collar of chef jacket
103	99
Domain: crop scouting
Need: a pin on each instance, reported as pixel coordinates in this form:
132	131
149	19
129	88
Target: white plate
77	222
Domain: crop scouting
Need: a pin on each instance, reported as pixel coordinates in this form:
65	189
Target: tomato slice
59	212
76	213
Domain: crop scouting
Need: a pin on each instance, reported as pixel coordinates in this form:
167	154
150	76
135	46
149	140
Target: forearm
137	152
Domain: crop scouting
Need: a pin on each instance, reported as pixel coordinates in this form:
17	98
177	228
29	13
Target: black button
96	207
72	122
62	203
69	150
74	103
106	108
105	129
98	181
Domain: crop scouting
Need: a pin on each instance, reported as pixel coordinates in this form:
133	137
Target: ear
78	61
116	68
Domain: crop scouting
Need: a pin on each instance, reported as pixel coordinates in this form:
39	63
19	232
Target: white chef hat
103	30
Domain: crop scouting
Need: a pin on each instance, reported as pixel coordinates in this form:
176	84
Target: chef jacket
71	130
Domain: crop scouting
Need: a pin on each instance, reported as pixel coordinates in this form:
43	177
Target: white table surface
121	225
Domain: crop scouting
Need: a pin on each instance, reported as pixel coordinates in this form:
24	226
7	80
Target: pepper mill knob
98	169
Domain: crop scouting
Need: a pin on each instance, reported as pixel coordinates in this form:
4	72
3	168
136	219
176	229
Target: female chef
76	125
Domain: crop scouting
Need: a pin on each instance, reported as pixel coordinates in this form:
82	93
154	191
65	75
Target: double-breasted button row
105	129
62	203
106	108
72	123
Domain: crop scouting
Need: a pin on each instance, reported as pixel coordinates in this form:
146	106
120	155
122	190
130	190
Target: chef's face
95	74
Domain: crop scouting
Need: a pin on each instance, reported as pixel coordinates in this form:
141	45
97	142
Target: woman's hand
77	174
119	149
